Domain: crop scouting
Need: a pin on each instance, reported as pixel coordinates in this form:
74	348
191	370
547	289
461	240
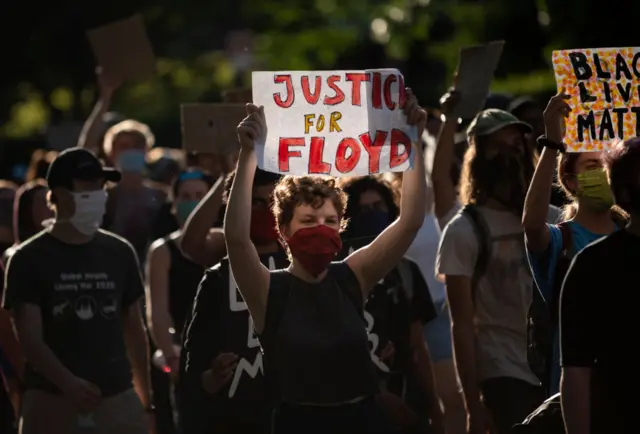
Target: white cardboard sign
338	123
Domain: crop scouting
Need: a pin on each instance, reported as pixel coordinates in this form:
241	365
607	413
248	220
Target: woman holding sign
310	316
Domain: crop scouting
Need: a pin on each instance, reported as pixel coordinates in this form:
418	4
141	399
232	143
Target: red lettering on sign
402	91
376	91
339	96
387	91
373	149
343	163
284	153
399	138
312	98
277	97
316	164
356	80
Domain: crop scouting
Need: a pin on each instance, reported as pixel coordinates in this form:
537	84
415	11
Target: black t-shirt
83	292
220	322
393	305
599	327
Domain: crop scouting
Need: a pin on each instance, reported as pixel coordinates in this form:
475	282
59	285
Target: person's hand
479	421
416	115
221	372
106	83
449	101
554	116
85	395
253	128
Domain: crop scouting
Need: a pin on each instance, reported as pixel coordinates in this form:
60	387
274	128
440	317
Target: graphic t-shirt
220	322
543	266
602	336
503	295
397	301
83	291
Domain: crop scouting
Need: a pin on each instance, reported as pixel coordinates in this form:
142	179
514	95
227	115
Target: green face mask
594	190
183	209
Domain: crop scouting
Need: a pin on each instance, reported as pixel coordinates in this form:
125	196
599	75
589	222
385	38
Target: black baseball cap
78	163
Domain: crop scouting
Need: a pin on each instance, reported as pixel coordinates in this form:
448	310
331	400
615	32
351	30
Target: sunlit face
586	161
372	199
192	190
127	142
39	209
305	216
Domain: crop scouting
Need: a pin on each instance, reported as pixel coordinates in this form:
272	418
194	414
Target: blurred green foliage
52	76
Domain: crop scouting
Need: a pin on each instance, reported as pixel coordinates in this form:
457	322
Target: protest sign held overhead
604	85
211	127
339	123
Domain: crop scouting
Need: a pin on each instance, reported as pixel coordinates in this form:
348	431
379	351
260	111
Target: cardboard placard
475	74
211	128
337	123
123	49
603	85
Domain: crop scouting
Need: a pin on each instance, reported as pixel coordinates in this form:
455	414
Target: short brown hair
292	191
129	126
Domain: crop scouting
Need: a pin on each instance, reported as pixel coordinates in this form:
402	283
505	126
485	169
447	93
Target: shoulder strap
567	239
484	243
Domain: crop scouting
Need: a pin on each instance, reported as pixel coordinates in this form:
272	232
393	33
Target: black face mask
367	222
511	179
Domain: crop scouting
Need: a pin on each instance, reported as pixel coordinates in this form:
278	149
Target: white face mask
90	208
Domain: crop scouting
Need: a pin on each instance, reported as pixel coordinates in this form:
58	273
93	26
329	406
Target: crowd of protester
149	290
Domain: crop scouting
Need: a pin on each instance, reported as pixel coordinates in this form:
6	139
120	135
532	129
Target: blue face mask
184	209
367	223
132	161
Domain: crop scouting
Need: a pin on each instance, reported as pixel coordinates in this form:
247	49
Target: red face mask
315	247
263	226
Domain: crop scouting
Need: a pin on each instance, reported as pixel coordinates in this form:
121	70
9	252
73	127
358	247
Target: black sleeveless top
315	340
184	277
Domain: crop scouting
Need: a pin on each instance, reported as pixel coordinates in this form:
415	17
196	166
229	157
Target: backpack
546	419
542	318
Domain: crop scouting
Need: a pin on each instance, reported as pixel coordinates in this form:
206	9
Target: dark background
48	68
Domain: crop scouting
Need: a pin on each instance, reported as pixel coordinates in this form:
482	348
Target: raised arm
199	241
157	297
92	128
251	276
536	205
444	190
373	262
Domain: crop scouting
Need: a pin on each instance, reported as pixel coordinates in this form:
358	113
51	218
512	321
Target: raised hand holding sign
339	123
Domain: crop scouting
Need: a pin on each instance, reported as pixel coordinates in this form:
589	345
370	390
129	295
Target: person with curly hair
310	316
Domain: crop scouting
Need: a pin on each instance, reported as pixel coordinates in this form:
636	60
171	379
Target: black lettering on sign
581	67
620	112
586	122
606	126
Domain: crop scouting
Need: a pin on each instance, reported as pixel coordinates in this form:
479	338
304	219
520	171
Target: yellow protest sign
604	85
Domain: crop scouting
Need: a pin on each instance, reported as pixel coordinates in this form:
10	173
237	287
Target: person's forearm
92	128
42	359
237	220
138	352
414	192
197	226
159	330
575	396
464	345
443	188
536	205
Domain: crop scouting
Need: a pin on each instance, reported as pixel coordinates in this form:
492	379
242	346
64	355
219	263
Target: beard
511	174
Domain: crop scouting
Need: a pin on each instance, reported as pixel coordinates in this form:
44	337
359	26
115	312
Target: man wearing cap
483	261
74	293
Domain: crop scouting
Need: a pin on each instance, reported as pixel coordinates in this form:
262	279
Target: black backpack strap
567	252
483	236
348	282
